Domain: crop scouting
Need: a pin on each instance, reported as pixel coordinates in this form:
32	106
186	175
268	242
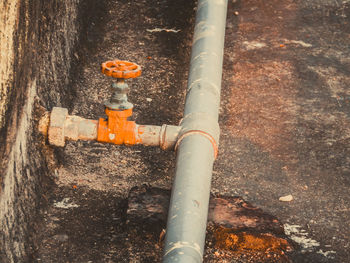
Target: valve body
116	128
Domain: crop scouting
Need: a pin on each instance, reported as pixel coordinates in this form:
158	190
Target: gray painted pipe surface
198	139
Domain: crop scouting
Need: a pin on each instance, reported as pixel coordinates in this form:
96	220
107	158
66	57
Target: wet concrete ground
284	119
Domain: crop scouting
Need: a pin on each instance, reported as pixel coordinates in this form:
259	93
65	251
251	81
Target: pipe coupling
200	123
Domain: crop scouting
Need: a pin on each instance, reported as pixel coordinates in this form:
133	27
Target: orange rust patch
225	238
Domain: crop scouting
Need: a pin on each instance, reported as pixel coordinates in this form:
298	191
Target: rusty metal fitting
164	136
56	128
116	129
119	99
62	126
169	136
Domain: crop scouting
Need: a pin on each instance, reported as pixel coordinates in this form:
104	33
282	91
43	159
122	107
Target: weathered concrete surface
37	39
285	128
285	120
8	17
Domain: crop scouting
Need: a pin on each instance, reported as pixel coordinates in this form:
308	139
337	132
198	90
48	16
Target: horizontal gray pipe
198	139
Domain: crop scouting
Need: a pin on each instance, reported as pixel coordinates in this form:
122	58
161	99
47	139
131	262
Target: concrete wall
37	41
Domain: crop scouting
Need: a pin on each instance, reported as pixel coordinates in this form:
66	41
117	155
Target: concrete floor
285	121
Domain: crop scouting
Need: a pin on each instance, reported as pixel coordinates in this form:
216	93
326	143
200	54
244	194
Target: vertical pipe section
198	139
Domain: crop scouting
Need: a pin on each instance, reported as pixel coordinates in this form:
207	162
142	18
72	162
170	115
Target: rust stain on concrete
262	103
262	106
227	239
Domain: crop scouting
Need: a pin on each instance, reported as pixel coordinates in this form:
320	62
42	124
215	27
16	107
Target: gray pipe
198	139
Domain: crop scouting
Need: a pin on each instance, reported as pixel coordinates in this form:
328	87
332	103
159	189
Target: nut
56	127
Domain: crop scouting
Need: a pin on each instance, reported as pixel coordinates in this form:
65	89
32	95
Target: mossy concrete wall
37	42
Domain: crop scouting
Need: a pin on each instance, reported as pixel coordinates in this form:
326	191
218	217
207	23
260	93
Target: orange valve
121	69
116	128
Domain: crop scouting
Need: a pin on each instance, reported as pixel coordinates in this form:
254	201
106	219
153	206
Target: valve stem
119	99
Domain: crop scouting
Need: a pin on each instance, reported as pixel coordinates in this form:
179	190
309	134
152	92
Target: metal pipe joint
59	127
200	123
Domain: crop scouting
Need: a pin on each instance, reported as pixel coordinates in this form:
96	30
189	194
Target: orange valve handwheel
121	69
